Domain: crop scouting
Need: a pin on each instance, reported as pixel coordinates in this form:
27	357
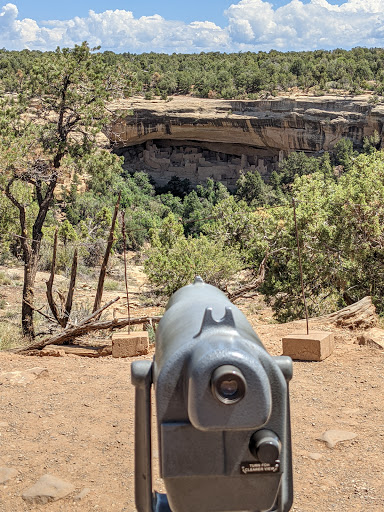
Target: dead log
84	328
360	315
77	350
80	324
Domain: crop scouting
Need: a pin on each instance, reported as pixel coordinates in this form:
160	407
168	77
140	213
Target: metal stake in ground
125	271
300	266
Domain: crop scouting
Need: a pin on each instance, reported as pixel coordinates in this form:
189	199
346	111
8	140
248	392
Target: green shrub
174	260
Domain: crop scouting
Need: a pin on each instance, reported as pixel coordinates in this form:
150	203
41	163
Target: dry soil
77	423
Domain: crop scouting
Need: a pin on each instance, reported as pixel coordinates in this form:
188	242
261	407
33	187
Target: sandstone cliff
229	135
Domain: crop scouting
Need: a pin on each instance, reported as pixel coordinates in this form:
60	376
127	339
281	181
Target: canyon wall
199	138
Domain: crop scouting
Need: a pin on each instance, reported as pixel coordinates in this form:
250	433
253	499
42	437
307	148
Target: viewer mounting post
300	265
125	270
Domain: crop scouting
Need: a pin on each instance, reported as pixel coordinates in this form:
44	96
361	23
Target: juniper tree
57	112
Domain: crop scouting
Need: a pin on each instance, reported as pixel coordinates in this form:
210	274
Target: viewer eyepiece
228	384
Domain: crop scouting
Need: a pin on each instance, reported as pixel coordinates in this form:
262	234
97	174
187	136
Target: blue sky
200	25
196	10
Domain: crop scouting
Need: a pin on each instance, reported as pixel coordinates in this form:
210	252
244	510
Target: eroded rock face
198	138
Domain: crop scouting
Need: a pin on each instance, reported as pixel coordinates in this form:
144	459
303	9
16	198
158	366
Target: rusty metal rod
300	265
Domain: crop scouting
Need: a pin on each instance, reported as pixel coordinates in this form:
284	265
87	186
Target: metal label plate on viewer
248	468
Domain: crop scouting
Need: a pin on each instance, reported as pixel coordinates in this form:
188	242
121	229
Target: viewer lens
228	388
228	384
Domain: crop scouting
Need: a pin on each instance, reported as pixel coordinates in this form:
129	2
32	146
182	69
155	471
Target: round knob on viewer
265	446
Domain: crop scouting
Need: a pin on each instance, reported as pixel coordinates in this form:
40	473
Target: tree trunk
103	270
62	317
30	269
31	247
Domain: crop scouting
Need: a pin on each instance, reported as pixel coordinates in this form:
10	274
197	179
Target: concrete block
314	346
129	345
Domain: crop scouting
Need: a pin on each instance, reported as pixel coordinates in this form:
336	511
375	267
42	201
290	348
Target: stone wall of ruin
163	159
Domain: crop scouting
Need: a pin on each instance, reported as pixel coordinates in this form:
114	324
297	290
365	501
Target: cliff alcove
197	160
200	138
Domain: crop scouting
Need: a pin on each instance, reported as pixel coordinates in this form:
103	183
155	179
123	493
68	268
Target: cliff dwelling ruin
199	139
196	161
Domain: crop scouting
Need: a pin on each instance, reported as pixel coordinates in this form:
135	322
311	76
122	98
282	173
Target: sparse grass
10	336
3	303
12	278
110	285
81	310
256	306
4	279
10	315
86	273
151	299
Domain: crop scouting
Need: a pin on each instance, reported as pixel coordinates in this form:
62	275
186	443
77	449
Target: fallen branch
85	328
53	320
80	325
98	312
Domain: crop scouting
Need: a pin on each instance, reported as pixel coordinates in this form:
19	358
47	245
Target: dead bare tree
62	315
103	270
255	284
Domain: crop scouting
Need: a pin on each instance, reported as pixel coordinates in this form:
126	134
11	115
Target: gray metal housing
205	457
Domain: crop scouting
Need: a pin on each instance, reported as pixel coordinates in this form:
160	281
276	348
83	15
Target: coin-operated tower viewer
222	405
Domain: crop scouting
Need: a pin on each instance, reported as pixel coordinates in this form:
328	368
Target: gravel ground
76	421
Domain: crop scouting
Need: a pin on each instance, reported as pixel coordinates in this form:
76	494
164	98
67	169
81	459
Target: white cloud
307	26
250	20
252	25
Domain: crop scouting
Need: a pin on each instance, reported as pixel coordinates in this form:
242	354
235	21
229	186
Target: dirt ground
77	422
